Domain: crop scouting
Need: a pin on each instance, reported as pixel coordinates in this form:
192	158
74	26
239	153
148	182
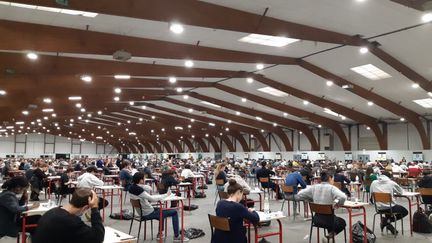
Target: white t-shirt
186	173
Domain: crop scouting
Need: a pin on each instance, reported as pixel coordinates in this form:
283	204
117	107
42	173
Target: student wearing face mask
63	224
12	203
236	212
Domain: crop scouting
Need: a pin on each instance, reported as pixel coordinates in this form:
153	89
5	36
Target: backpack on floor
193	233
200	187
358	233
191	208
200	195
126	215
421	223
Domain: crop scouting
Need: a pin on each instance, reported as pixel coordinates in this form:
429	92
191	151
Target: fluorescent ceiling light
426	103
212	124
363	50
272	91
178	128
2	92
25	113
329	83
74	98
260	66
267	40
49	9
176	28
328	111
32	56
86	78
210	104
172	79
47	110
47	100
371	72
19	123
427	17
122	76
117	90
189	63
258	118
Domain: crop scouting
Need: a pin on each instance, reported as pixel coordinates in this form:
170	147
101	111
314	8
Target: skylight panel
272	91
210	104
50	9
268	40
371	72
425	103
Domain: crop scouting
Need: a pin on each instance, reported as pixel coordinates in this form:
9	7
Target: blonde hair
219	168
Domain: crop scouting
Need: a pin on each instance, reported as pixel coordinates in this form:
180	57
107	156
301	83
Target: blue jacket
294	179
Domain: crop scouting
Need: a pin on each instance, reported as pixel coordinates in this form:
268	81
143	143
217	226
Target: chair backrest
382	197
337	184
220	182
287	189
425	191
402	181
219	223
326	209
264	179
136	206
223	195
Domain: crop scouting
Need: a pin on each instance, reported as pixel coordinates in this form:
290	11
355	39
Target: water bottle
357	178
266	204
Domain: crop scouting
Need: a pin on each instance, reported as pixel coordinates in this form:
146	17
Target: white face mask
19	195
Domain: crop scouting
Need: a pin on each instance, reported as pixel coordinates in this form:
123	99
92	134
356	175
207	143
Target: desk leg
202	185
160	221
112	200
260	200
350	224
358	192
410	215
23	233
182	219
103	208
49	190
256	233
364	225
280	231
121	204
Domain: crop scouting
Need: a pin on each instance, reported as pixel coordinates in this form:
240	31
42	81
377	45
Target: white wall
35	145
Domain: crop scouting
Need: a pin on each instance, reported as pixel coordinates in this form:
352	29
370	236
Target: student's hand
251	210
169	193
35	205
93	201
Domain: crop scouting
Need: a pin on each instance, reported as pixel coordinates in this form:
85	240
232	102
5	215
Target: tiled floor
293	230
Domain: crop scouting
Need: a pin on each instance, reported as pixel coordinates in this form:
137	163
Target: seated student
37	180
414	170
426	182
63	224
167	181
126	175
138	190
386	185
266	173
89	180
325	193
187	173
295	179
236	212
340	177
65	182
12	201
220	175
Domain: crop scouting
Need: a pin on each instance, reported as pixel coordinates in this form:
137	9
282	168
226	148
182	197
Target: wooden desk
349	205
265	217
115	236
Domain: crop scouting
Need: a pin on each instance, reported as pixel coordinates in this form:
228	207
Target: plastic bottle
266	204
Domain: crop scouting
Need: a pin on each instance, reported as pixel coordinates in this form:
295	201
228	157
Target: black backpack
358	233
421	223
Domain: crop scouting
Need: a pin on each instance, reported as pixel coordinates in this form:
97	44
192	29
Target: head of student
80	200
326	176
235	190
138	178
91	170
263	164
17	184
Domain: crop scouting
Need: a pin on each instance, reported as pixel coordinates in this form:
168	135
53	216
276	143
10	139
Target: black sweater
58	225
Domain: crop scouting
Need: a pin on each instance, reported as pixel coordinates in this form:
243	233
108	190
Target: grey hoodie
385	184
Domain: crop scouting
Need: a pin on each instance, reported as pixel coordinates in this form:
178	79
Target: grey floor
293	230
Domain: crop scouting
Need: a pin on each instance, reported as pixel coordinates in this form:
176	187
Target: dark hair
325	176
263	164
91	169
69	170
137	177
338	170
369	171
80	197
126	163
233	187
14	182
386	173
187	166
